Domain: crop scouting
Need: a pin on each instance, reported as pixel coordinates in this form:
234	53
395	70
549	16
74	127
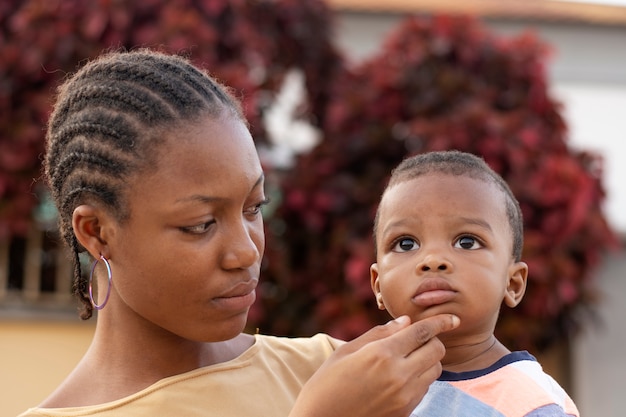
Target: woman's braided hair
106	124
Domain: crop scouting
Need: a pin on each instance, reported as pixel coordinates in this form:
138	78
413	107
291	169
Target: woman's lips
241	296
433	291
237	302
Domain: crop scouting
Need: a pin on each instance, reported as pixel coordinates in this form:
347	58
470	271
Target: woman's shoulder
311	350
320	342
32	412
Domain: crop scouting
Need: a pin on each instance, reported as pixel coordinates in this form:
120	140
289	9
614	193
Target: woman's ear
516	286
376	286
89	223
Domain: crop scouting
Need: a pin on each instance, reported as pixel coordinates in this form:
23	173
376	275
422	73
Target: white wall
599	366
596	116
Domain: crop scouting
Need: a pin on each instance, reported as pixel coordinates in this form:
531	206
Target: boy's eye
467	242
405	244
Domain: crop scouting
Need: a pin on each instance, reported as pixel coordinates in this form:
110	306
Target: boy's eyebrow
471	220
477	222
391	226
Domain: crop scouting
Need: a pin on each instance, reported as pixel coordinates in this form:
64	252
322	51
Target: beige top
264	381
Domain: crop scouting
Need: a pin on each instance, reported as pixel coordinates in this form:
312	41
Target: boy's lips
433	291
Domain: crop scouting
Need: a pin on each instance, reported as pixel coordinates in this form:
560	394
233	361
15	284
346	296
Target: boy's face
444	246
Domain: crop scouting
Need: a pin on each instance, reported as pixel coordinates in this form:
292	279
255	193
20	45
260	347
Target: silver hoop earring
109	276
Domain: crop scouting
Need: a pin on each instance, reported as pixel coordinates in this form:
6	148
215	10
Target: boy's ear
376	286
516	287
89	224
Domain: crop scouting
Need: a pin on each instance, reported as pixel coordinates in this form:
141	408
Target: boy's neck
475	356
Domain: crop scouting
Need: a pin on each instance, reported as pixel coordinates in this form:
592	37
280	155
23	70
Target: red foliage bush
246	44
441	83
437	84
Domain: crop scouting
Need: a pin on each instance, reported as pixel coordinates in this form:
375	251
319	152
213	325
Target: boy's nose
434	263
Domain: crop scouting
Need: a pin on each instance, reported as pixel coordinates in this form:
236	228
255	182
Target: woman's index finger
420	332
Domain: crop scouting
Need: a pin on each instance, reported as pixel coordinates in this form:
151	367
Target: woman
155	176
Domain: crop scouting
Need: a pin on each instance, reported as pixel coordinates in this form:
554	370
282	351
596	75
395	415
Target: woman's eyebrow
259	180
211	199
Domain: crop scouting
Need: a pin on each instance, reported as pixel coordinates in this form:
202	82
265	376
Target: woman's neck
157	353
125	362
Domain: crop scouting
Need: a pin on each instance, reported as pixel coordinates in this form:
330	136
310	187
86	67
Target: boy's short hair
462	164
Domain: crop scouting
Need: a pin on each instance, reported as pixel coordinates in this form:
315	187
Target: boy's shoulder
514	385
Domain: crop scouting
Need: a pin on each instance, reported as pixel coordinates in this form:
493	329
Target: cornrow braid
107	119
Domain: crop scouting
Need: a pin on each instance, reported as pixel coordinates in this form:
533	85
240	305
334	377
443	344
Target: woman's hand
383	373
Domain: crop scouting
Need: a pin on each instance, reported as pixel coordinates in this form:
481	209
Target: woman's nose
240	248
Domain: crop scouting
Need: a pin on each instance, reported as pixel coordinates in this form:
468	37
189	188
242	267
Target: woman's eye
467	242
198	229
405	244
256	209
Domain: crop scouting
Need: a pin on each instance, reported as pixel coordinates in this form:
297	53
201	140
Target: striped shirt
514	386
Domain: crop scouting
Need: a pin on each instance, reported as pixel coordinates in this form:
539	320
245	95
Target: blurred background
337	93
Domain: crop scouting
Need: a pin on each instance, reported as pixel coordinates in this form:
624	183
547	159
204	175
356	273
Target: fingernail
455	321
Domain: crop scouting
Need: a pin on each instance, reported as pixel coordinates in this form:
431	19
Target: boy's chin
430	312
